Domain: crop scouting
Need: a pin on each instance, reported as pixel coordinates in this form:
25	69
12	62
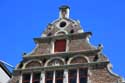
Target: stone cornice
92	65
69	36
62	54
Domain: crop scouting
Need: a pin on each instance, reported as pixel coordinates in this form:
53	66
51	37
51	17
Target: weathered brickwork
79	53
102	75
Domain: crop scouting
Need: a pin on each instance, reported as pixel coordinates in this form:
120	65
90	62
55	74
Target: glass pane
49	74
59	76
73	73
83	75
49	77
36	82
72	76
83	80
59	81
72	80
26	78
36	77
83	72
49	81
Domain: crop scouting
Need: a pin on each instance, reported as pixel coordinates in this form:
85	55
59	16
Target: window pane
72	80
59	81
36	77
26	78
59	76
83	75
49	74
83	80
49	81
72	76
49	77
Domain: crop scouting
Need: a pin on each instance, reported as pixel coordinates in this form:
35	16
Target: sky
23	20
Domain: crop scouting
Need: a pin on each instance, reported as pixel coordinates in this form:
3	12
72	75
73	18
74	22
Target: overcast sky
23	20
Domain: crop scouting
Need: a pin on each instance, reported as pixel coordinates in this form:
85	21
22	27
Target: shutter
60	45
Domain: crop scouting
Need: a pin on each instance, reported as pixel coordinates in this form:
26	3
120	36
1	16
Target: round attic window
62	24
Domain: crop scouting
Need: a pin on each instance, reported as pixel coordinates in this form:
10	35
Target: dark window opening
72	76
59	76
96	58
49	34
36	78
63	24
72	31
26	78
49	77
60	45
82	75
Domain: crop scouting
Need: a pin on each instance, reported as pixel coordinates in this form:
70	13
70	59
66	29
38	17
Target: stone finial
100	47
24	54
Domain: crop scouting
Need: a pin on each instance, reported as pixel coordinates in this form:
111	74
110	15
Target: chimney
64	11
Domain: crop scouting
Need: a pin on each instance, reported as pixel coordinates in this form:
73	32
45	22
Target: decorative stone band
63	54
68	36
92	65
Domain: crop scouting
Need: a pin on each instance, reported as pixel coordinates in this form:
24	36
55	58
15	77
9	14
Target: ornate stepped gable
63	54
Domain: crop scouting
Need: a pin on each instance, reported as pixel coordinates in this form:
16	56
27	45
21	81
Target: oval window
63	24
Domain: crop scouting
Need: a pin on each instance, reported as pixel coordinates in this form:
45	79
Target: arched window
60	45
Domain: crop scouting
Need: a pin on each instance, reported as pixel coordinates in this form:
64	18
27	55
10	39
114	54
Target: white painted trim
69	61
77	78
59	58
65	79
20	80
61	31
54	76
62	20
42	77
109	66
31	77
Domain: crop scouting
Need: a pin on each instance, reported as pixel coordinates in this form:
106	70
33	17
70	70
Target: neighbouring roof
7	71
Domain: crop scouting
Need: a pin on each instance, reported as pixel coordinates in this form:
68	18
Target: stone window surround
65	77
53	42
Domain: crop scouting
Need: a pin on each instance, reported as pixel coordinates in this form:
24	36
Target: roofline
6	69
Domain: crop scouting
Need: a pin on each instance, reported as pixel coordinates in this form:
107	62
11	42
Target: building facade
5	74
63	54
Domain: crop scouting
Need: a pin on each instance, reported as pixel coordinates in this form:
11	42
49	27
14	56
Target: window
49	77
82	75
72	31
72	76
60	45
59	76
62	24
26	78
36	78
